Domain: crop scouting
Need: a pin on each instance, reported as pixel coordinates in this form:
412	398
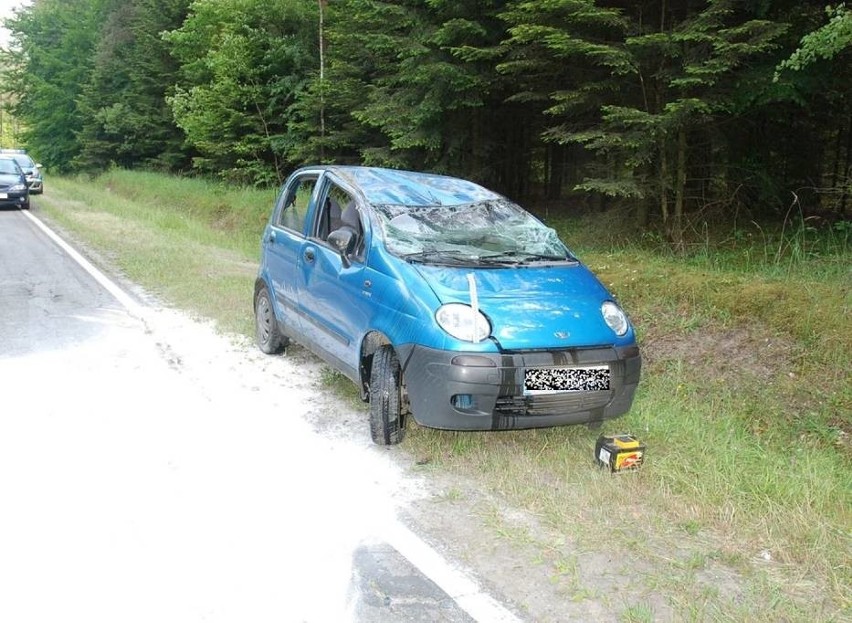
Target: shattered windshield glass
485	232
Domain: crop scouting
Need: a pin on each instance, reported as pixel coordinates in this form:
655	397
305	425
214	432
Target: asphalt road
151	470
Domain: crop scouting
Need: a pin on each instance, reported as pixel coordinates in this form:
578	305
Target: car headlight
460	321
18	187
615	318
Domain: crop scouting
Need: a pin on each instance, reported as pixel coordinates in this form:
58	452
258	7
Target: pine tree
645	84
412	84
125	117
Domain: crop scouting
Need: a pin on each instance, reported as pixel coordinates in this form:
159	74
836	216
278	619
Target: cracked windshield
482	232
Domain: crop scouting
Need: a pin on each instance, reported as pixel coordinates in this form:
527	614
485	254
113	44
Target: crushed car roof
409	188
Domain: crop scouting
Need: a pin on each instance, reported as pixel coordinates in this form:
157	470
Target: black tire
267	334
387	421
25	205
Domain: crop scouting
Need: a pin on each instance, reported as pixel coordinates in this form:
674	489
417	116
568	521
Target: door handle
310	256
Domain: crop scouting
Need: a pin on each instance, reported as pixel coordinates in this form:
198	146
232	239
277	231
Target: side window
296	203
330	216
340	212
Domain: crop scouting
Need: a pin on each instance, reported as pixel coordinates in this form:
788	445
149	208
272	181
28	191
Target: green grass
744	404
192	242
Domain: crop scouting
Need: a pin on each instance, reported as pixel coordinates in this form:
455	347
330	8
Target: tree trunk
680	189
322	5
555	157
847	170
664	182
642	214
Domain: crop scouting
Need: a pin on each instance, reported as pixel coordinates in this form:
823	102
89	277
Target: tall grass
744	404
193	242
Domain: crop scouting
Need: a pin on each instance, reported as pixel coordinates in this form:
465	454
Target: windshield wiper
435	256
507	258
522	257
544	257
454	257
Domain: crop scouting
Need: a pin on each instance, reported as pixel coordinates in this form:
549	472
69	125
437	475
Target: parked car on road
32	171
13	184
443	300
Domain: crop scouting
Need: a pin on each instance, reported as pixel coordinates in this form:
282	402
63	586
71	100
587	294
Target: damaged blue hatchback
441	300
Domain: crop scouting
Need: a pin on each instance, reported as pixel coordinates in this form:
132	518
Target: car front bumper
485	391
14	198
35	185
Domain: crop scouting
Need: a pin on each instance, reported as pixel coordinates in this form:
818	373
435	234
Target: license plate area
578	379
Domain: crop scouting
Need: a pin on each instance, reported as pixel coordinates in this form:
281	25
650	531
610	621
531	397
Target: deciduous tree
51	59
243	65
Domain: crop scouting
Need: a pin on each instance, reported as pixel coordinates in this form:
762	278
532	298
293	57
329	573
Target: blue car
441	300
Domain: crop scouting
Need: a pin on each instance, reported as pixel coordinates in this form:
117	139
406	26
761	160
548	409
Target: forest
667	112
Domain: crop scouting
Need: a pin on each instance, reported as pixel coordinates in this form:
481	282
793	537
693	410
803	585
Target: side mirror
343	240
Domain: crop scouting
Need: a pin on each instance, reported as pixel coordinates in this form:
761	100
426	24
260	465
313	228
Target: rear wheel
267	333
387	422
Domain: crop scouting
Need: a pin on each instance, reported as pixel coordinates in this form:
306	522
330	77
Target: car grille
558	403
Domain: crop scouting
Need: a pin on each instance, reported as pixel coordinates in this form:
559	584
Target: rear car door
284	242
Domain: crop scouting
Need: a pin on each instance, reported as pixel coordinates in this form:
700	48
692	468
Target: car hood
529	306
9	179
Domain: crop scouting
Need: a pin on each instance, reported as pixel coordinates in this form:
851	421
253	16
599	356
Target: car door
334	295
284	242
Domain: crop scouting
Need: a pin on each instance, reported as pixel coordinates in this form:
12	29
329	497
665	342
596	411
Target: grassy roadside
744	405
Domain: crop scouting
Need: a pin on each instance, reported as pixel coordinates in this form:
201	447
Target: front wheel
387	422
267	333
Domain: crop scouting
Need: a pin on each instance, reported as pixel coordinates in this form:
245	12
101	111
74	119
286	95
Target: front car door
334	296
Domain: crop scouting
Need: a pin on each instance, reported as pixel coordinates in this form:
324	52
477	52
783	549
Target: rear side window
296	203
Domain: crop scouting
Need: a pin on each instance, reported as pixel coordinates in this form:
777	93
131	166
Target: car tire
387	422
25	205
267	333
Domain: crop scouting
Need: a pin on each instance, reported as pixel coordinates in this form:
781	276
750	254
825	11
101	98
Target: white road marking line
110	286
464	591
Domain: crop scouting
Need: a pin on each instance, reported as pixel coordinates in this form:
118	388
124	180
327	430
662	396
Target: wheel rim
264	320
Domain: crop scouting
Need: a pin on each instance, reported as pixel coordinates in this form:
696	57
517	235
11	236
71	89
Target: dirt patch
730	355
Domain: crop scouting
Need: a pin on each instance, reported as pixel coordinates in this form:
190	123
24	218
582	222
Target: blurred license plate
542	380
4	196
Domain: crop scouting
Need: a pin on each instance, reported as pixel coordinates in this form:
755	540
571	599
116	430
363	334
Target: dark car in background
13	184
32	171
